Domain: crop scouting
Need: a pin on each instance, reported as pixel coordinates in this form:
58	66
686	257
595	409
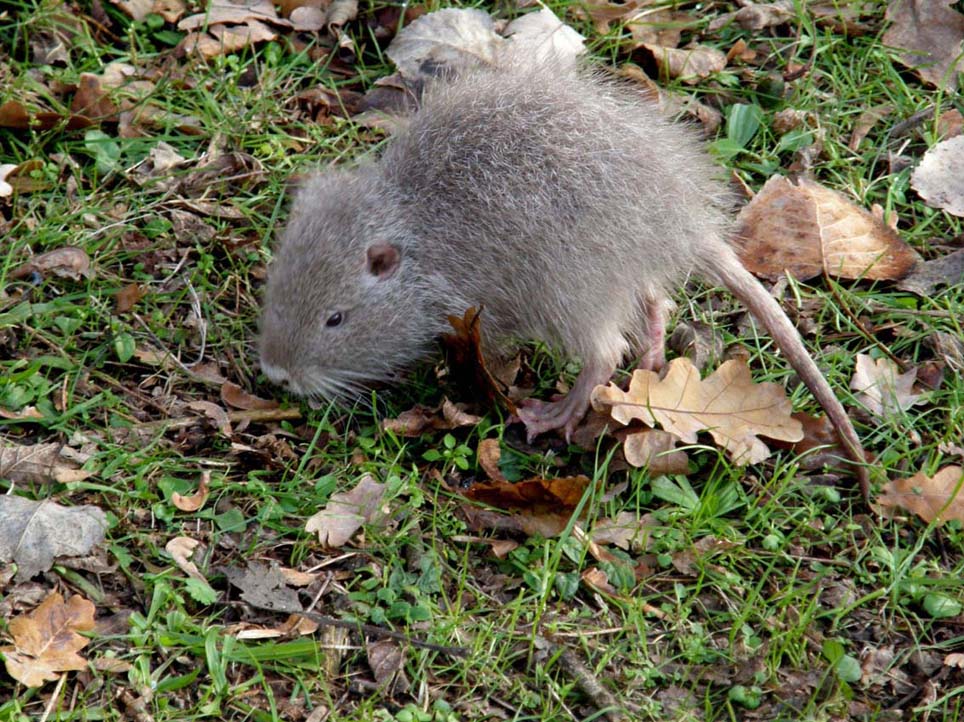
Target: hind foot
565	413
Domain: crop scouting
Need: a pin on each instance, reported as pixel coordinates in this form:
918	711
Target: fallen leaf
341	12
46	641
136	9
806	230
603	14
181	550
930	34
656	450
950	124
626	530
387	662
927	277
220	12
42	463
757	16
170	10
422	419
820	446
126	298
450	38
216	414
500	547
954	659
467	362
595	578
939	179
881	388
346	512
196	500
36	533
691	561
264	586
546	38
935	498
866	121
538	506
949	348
489	452
92	100
234	395
727	404
658	26
690	64
66	262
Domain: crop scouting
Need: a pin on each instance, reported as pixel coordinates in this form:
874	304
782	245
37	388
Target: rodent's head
345	304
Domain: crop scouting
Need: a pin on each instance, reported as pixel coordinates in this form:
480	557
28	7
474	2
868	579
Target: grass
766	592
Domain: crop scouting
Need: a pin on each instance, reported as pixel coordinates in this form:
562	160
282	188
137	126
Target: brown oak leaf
933	498
727	404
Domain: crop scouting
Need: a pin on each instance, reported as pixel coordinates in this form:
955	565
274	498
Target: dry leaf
264	586
387	662
181	550
422	419
927	277
215	413
933	499
806	230
196	500
126	298
42	463
881	388
727	404
656	450
546	38
451	38
467	363
489	452
346	512
866	121
820	446
66	262
939	179
603	14
500	547
659	26
626	530
35	533
757	16
234	395
931	33
950	124
539	506
689	64
46	641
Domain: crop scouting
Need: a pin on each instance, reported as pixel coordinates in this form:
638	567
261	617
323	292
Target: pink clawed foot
566	413
654	336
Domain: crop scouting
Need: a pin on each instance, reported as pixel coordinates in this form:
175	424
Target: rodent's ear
383	260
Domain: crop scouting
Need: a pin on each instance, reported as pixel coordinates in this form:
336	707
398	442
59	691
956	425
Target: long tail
728	269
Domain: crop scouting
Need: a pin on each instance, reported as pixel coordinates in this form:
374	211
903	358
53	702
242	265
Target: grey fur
561	202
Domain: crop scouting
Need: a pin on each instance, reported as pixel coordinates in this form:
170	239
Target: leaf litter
97	97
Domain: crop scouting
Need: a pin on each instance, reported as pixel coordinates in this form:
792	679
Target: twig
255	415
601	697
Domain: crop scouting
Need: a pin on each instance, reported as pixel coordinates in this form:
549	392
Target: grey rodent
559	201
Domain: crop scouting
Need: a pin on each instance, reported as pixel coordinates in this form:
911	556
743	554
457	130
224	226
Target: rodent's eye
335	319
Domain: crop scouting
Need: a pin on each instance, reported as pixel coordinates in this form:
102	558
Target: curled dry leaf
937	498
347	511
66	262
659	26
882	388
468	364
806	230
181	549
135	9
126	298
939	179
727	404
422	419
500	547
930	33
656	450
46	641
196	500
489	452
387	662
35	533
216	414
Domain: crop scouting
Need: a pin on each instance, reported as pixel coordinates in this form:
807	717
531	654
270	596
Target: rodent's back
558	199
